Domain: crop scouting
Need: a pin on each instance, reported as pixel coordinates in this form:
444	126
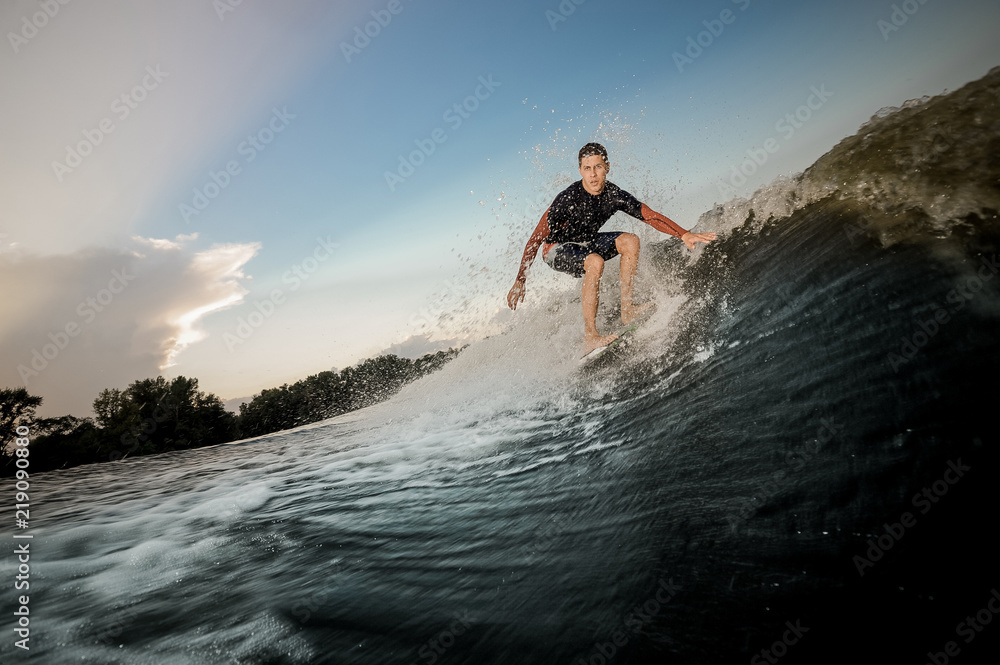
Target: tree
64	442
17	407
329	394
156	415
378	379
270	411
432	362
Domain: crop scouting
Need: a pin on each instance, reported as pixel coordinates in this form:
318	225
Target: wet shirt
577	215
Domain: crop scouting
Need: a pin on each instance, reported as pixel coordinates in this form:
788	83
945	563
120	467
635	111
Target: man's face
594	171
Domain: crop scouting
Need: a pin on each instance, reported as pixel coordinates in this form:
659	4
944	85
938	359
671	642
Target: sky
250	192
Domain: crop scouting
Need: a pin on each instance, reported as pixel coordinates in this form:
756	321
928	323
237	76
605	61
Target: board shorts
568	257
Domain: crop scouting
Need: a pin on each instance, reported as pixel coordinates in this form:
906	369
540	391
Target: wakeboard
604	353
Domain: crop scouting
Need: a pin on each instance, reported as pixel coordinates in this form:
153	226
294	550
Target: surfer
568	234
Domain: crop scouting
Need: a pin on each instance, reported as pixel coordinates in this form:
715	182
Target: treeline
156	415
329	394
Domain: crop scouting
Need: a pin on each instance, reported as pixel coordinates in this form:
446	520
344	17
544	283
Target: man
569	236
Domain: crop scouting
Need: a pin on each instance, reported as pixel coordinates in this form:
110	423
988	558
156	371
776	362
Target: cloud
217	271
77	323
163	244
109	110
108	107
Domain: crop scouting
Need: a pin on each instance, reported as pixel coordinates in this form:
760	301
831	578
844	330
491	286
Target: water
748	477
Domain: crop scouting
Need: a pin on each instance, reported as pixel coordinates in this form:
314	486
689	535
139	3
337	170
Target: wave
748	466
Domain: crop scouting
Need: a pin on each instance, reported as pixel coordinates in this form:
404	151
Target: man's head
594	167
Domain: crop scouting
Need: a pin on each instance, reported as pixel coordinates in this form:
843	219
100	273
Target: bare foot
591	343
635	312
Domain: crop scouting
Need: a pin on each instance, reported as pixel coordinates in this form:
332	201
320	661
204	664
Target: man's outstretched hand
691	238
516	294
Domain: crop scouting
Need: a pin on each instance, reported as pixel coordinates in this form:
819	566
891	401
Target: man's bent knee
627	243
593	263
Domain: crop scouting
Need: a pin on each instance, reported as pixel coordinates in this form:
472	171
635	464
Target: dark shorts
568	256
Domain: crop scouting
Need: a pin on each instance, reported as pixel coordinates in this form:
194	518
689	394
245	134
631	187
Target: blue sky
259	259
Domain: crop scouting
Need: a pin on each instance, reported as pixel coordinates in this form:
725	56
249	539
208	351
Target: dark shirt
576	215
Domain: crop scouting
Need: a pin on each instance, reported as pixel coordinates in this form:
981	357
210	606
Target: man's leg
593	267
627	245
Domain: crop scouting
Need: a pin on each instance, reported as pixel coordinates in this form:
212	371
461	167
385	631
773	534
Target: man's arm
540	233
664	224
661	223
